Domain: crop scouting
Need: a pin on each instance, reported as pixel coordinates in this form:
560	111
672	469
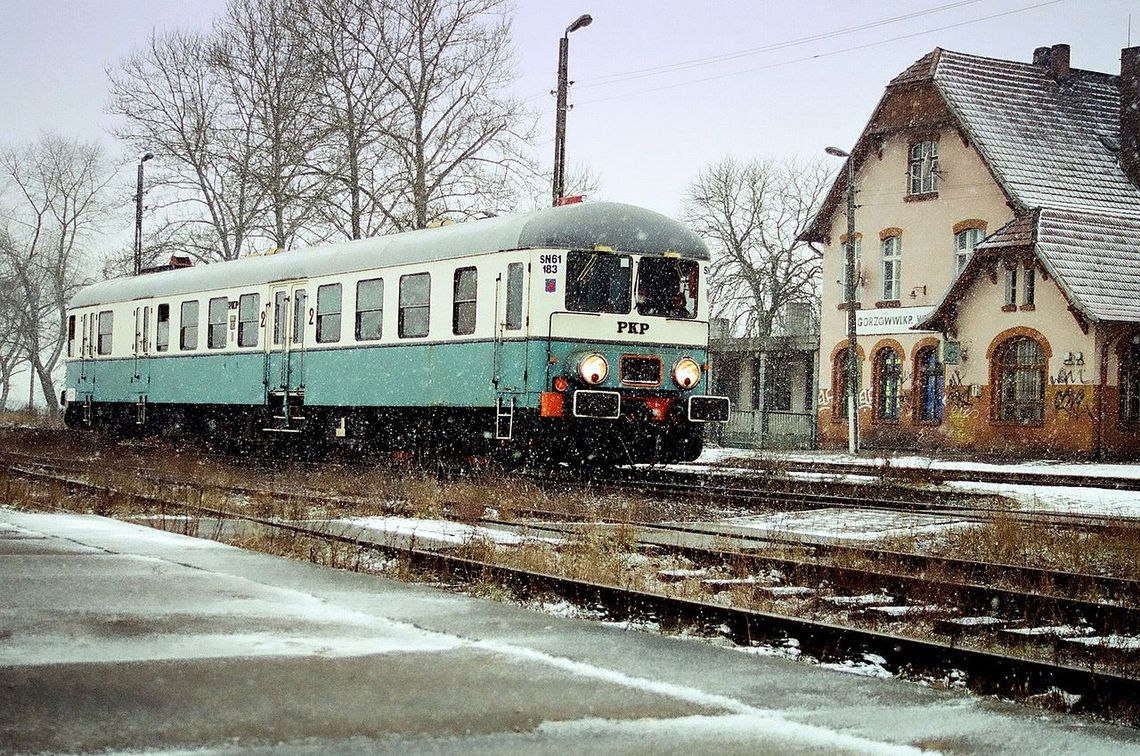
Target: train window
70	335
514	296
280	300
216	324
369	309
249	313
415	305
463	309
299	316
162	332
106	324
328	313
188	326
598	282
667	286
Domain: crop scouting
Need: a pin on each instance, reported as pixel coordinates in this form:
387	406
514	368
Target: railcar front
620	359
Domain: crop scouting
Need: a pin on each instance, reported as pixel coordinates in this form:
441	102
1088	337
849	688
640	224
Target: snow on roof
1050	143
624	228
1097	259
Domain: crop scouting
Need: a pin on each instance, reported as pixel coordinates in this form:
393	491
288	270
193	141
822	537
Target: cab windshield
598	282
667	287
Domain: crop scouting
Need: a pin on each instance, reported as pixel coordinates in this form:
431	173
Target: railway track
1088	676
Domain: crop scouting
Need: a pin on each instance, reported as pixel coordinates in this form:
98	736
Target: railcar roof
624	228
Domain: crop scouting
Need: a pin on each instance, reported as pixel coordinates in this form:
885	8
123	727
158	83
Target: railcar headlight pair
686	373
593	369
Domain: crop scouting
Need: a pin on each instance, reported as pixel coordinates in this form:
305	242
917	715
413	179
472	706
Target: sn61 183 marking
550	263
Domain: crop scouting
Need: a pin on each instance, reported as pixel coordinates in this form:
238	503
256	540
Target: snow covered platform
118	637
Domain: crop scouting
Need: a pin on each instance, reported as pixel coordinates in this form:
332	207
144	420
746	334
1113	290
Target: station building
998	250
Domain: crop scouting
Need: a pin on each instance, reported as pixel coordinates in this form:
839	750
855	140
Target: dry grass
1006	541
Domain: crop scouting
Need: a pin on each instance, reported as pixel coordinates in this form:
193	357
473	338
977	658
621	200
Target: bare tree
11	334
751	214
343	42
174	104
56	185
271	96
455	136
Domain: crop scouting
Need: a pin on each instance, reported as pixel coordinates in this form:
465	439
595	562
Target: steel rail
991	672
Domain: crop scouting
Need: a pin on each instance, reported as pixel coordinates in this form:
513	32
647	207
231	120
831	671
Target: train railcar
576	332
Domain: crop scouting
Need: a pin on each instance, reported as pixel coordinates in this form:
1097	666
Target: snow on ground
722	455
847	524
436	531
1063	499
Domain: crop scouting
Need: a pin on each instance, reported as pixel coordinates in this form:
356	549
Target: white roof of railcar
624	228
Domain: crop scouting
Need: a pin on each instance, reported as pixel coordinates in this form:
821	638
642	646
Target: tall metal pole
852	351
852	377
138	214
558	190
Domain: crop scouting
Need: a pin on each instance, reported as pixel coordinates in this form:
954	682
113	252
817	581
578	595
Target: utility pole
559	187
138	214
852	376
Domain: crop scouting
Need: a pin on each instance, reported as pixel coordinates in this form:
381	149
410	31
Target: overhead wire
640	73
827	54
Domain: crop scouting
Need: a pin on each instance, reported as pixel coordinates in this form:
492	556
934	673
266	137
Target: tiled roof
1096	259
1047	142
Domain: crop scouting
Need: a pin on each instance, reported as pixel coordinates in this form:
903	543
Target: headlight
593	368
686	373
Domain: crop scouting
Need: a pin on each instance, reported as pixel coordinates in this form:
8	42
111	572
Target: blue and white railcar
570	332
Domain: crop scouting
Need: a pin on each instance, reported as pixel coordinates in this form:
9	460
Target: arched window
839	381
888	377
1020	364
1130	382
929	382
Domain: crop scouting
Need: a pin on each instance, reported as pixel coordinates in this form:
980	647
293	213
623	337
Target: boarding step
504	419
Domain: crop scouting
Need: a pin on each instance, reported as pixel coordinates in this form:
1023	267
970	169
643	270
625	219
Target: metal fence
769	429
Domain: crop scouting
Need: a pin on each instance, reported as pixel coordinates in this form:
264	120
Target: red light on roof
571	200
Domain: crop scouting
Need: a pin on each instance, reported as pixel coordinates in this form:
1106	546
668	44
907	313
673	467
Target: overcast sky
663	87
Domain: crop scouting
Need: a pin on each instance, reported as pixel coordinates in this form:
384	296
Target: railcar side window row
415	305
249	313
106	323
188	332
216	330
162	334
328	313
369	309
463	302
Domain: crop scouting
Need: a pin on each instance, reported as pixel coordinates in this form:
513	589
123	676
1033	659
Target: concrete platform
115	636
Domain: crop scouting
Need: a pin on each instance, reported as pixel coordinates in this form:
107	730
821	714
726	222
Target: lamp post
849	295
138	214
559	188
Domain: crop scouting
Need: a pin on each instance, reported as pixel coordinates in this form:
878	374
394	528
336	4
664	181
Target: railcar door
510	349
287	314
140	377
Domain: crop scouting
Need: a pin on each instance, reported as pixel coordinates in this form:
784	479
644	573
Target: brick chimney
1130	113
1055	60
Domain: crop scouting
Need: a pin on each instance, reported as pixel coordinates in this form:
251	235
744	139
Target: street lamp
849	295
559	189
138	214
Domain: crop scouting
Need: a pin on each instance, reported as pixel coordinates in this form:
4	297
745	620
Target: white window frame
891	247
922	168
964	243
